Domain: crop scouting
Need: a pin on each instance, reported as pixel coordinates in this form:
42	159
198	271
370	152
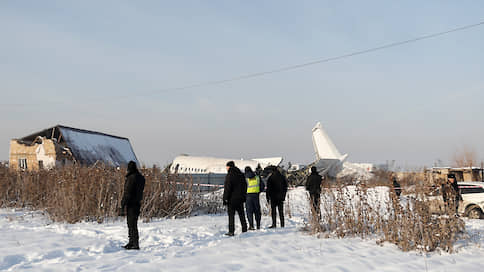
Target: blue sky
102	65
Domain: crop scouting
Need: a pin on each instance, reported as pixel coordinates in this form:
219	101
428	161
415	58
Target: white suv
472	204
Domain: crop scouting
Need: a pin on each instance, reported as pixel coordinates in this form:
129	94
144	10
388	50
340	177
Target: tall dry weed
376	211
76	193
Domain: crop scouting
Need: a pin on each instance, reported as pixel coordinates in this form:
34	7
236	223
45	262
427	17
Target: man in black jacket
235	191
313	186
131	203
396	187
276	194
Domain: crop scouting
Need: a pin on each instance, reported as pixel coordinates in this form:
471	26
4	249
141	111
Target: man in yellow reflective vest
255	185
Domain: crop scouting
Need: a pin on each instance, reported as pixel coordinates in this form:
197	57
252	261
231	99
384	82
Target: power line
318	61
296	66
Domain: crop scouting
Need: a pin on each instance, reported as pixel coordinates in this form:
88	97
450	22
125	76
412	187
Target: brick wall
20	151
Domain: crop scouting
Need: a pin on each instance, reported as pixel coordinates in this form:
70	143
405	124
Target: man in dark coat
131	203
451	193
276	194
258	170
396	186
313	186
255	186
235	191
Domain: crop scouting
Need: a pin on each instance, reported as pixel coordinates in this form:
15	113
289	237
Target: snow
355	169
91	147
31	242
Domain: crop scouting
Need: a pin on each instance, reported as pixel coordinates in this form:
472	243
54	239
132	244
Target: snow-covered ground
31	242
358	170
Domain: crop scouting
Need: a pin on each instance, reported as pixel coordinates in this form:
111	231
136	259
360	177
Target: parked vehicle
472	204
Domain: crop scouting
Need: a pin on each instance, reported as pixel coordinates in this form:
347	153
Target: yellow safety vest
253	185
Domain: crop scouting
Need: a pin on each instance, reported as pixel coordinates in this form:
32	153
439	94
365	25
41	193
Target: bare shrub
466	157
76	193
375	211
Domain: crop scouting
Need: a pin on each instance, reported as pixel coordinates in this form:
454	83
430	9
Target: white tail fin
323	146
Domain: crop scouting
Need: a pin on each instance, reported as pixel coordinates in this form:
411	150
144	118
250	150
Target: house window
22	164
41	165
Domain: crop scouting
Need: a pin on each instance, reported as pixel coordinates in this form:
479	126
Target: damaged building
461	173
62	145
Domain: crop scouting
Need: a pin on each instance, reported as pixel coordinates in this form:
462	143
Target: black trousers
240	210
279	205
253	208
132	213
315	207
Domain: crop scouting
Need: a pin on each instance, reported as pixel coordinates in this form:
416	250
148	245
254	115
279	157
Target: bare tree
465	157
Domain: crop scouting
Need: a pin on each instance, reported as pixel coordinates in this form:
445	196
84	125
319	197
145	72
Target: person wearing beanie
255	186
451	194
131	203
313	186
235	191
276	194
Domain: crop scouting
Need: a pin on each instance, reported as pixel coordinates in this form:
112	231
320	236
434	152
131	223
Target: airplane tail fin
323	146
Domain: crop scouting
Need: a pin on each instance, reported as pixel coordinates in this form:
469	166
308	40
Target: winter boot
132	245
128	247
229	233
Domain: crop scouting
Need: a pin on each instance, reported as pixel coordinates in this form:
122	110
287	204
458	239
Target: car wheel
474	212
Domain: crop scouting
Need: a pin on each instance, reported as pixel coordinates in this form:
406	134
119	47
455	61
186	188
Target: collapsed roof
88	147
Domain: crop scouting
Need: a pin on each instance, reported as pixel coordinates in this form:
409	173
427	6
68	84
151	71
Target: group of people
240	188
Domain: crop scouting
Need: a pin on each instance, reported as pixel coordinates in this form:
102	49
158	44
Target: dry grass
74	193
371	211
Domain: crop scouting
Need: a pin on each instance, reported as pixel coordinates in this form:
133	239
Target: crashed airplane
210	171
185	164
329	162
